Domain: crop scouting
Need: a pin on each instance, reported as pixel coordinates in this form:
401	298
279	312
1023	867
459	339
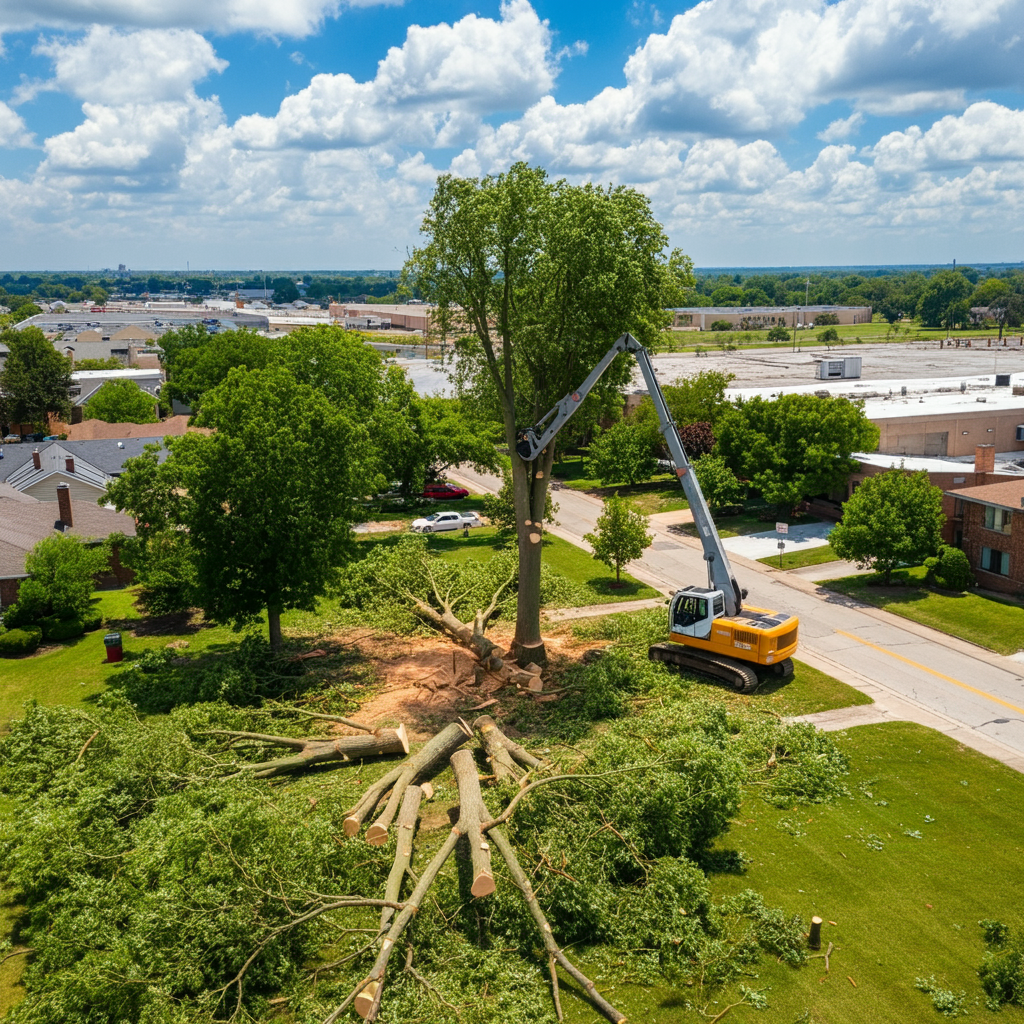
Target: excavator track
739	675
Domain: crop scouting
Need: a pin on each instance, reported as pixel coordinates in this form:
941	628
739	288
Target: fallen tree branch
85	746
472	814
312	750
552	947
493	738
406	825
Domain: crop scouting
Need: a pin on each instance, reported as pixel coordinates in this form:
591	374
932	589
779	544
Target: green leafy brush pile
148	879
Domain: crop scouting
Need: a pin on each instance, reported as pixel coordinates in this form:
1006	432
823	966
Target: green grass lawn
798	559
74	671
987	621
750	521
661	493
903	907
875	333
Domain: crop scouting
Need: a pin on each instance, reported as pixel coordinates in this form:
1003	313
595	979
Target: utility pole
807	291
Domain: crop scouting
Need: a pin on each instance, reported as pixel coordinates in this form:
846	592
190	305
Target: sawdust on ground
427	678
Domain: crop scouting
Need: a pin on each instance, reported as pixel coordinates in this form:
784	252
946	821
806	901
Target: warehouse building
759	318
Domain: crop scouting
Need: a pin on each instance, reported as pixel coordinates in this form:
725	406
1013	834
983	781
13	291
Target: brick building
989	523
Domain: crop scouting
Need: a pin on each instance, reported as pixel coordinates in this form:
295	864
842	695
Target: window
998	519
993	560
689	611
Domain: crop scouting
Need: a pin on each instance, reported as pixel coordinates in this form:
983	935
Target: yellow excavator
709	629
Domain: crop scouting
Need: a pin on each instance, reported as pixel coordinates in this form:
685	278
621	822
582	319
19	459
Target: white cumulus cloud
13	133
260	17
842	128
429	91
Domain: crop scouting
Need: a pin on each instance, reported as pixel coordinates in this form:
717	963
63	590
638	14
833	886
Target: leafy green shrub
950	570
63	629
92	621
721	325
20	641
1002	969
949	1004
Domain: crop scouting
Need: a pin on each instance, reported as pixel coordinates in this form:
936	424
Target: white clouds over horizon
708	107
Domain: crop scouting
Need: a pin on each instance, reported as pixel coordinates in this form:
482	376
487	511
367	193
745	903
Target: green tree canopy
717	481
270	495
795	445
62	572
696	399
539	278
947	290
892	518
621	536
121	401
780	332
625	453
35	380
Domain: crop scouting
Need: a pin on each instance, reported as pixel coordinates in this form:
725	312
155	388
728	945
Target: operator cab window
689	611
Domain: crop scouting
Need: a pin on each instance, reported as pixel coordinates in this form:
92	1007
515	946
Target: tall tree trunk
530	491
274	622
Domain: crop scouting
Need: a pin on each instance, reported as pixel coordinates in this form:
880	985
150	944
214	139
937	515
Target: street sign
782	527
782	545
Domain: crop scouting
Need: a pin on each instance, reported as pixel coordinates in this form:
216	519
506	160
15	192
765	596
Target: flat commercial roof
764	309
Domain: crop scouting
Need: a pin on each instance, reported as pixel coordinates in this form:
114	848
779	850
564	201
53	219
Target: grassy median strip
987	621
798	559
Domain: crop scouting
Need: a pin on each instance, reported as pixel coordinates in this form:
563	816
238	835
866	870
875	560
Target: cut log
486	725
365	1000
472	814
406	826
312	750
425	763
535	685
814	939
498	756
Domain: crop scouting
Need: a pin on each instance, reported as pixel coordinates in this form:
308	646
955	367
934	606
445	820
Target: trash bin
115	652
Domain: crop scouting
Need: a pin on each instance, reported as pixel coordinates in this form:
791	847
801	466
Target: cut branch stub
472	814
425	763
491	735
502	766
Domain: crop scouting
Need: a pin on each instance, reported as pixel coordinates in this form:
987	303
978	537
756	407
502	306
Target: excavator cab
693	610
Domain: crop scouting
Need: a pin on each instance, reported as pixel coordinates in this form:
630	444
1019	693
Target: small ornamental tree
717	481
826	320
891	519
830	336
778	333
62	571
121	401
698	440
621	535
625	452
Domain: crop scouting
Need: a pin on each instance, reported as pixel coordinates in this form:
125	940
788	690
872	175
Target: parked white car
440	521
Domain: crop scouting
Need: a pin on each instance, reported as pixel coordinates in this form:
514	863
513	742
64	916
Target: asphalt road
912	672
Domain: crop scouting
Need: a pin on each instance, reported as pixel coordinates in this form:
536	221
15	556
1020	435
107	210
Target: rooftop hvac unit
839	369
1020	432
1002	380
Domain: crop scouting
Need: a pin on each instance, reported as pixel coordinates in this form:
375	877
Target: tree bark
274	627
501	751
425	763
319	749
472	814
406	826
530	490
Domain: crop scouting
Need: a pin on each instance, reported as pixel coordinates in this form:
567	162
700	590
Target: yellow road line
931	671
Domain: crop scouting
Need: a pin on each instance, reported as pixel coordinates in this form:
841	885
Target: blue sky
308	133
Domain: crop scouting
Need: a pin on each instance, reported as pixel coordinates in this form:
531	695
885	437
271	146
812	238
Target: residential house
24	521
86	467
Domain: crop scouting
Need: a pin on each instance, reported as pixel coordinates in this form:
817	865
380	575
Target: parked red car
444	492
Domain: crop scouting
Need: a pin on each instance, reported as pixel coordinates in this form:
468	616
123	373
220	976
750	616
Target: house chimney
984	458
35	459
64	504
69	464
